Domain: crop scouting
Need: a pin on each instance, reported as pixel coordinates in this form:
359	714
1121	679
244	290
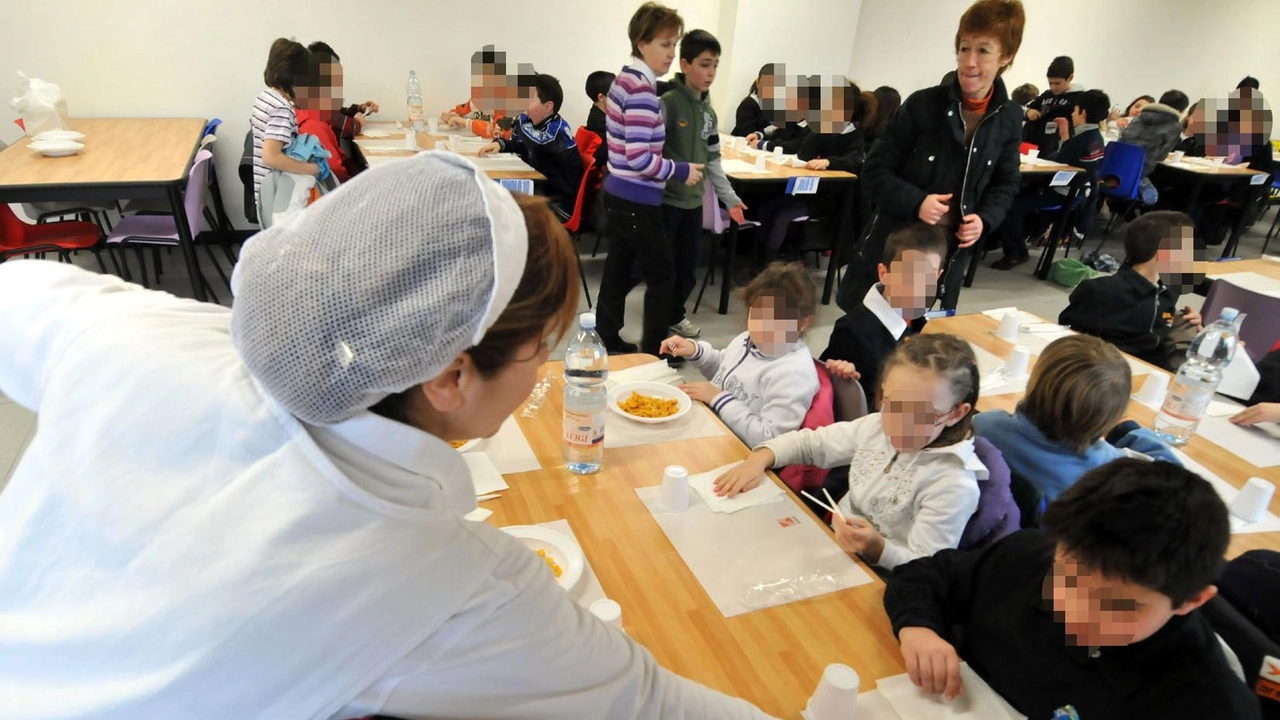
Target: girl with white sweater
762	384
913	472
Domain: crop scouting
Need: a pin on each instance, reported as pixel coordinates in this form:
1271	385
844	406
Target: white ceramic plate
58	136
60	148
559	547
658	390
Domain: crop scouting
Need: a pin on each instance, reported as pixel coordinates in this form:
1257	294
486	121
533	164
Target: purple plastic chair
715	219
1261	329
162	230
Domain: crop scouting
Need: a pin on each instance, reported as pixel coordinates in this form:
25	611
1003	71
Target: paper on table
739	167
1240	377
978	700
657	372
990	369
510	163
375	160
872	705
484	474
738	558
1251	281
374	133
1258	445
1221	408
699	422
704	483
396	146
588	589
509	450
1226	491
478	515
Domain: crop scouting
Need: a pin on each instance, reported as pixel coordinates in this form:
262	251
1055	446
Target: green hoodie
692	128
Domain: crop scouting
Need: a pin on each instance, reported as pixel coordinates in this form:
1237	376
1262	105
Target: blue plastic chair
1122	165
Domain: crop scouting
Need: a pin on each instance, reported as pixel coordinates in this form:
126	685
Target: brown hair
286	62
547	293
1078	390
1144	236
953	360
788	282
1001	19
650	21
919	236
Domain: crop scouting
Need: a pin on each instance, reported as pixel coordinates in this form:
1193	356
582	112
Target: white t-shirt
273	118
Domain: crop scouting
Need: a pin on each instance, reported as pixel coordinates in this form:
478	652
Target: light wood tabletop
426	141
1046	168
1261	266
1211	169
776	171
117	151
979	330
771	657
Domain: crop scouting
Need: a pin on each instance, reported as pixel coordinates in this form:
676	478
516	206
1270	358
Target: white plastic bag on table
40	104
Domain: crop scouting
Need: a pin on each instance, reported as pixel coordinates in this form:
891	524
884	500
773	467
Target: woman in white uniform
255	513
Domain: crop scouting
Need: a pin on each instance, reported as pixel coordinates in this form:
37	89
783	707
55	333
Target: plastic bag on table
40	104
785	590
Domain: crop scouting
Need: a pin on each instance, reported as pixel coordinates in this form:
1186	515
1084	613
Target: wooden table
1266	268
771	657
1200	175
776	173
979	330
122	159
428	142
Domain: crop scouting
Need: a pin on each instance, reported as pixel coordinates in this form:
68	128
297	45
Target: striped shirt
272	119
636	133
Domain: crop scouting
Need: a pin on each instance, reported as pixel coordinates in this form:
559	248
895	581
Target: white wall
1124	48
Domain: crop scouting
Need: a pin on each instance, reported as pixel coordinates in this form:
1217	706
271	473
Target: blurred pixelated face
487	85
700	73
659	52
323	92
911	282
832	114
978	62
773	97
1097	611
1175	260
1137	107
916	405
536	109
1057	86
774	326
1232	125
793	109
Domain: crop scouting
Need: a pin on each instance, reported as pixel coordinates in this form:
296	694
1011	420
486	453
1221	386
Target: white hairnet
378	286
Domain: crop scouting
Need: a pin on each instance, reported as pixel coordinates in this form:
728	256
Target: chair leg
709	278
216	266
97	255
142	266
582	273
115	262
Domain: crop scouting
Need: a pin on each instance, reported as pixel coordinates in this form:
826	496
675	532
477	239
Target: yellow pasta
649	407
458	443
550	563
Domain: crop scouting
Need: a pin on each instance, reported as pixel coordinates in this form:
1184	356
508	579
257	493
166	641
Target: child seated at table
544	140
913	471
598	84
892	310
1156	129
762	383
489	89
1098	613
1135	309
319	102
1079	389
273	122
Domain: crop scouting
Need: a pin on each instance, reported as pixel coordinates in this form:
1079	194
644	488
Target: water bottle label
583	430
1209	343
1186	403
415	113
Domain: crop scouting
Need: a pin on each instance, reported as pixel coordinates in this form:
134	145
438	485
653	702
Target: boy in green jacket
692	136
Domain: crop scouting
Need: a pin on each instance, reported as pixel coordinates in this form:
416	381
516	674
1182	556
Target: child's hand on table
1262	412
753	140
843	369
678	347
457	121
818	164
703	392
489	149
855	535
744	476
932	663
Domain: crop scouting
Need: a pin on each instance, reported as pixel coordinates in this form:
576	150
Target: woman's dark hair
1151	523
696	42
888	100
1136	100
650	21
1143	237
860	105
286	62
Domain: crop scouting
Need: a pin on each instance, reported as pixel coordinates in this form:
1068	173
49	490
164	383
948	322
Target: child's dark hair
1248	82
1175	99
1061	67
787	282
952	358
696	42
549	90
919	236
888	100
650	21
1152	523
286	62
1095	104
1143	237
490	55
1024	93
1078	390
859	104
766	70
323	47
598	83
1136	100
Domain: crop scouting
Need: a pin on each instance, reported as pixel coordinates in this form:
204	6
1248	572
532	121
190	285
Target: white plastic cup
777	152
1176	156
1008	329
760	160
1153	389
410	140
608	611
453	143
433	124
673	496
1033	153
1251	503
837	695
1018	362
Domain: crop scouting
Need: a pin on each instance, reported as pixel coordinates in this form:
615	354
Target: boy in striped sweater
637	176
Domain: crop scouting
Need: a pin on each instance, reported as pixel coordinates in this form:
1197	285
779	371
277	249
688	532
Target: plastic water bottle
1197	380
586	365
414	93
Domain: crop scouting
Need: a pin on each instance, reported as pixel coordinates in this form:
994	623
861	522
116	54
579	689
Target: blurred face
1137	107
773	326
978	62
659	52
537	109
911	282
1175	260
1099	611
766	87
326	95
700	73
1057	86
916	406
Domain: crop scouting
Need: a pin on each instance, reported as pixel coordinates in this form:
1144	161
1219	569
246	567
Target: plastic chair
586	194
1260	329
63	238
849	399
715	218
1122	165
162	230
246	179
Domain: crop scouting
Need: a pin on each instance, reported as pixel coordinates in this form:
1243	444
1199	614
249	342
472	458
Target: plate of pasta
560	553
649	402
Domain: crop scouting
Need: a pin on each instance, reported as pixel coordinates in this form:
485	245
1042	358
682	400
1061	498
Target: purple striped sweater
636	133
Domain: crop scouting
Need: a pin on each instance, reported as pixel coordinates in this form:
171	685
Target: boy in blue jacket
544	140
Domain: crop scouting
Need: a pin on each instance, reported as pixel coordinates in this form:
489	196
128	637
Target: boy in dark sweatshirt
1096	617
544	140
598	84
1056	102
1082	149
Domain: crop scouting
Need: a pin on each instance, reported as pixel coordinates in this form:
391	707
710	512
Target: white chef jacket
174	545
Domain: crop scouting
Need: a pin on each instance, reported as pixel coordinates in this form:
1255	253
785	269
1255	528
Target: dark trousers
684	231
1013	231
636	237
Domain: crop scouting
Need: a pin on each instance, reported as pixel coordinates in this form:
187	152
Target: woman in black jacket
949	156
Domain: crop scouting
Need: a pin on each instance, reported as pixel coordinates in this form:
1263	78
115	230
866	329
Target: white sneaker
686	329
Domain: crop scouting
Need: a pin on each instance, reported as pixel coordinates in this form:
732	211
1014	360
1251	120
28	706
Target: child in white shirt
762	384
913	472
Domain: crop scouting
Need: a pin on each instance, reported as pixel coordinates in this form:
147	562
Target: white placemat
699	422
1258	445
740	167
658	371
388	146
509	450
743	560
484	474
763	494
376	160
506	161
990	372
588	589
1035	333
1251	281
979	701
871	706
1268	523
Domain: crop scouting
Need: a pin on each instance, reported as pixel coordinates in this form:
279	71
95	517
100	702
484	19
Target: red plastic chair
592	178
63	238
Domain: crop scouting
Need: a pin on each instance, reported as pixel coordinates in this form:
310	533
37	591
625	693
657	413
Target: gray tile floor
991	289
